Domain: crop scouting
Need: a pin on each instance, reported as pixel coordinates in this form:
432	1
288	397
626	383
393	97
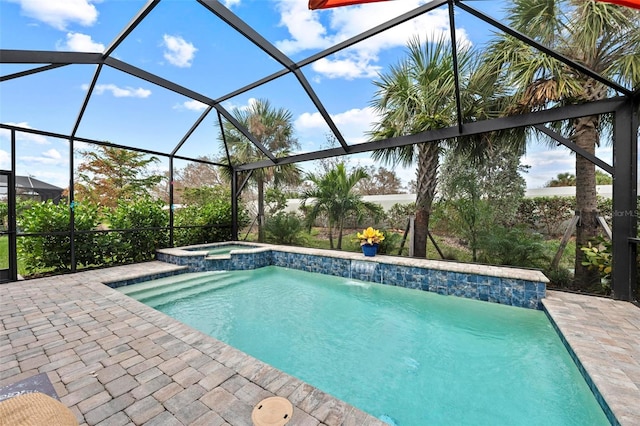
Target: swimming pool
408	357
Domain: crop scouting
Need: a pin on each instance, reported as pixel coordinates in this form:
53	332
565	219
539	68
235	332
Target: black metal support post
234	205
625	164
72	205
171	201
11	216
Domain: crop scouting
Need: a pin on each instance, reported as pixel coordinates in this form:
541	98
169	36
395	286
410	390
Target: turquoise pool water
405	356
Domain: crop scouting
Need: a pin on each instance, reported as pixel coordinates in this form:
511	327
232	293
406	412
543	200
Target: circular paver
274	411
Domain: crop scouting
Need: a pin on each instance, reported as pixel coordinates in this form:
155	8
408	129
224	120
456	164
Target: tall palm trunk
428	162
586	136
261	231
330	223
586	200
340	231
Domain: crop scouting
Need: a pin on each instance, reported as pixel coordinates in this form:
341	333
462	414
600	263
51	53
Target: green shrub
206	223
391	242
559	277
136	246
284	228
52	252
514	247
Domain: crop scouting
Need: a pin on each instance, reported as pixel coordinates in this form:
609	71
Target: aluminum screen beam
146	9
468	129
96	75
31	71
8	56
169	85
158	81
575	148
319	105
191	130
248	32
428	7
454	53
340	46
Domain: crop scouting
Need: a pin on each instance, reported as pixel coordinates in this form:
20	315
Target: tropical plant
370	236
273	129
563	179
513	246
598	35
333	195
284	228
598	256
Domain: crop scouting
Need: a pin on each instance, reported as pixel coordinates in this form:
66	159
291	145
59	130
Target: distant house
27	186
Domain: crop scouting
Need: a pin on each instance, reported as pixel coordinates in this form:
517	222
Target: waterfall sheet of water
362	270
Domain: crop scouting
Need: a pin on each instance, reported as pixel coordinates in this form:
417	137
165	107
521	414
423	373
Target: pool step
181	293
159	285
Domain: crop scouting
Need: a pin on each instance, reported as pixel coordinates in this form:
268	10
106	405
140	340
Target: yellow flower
370	236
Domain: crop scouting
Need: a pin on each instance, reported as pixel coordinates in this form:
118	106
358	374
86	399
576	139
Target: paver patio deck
115	361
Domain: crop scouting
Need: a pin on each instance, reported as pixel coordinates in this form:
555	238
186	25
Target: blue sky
181	41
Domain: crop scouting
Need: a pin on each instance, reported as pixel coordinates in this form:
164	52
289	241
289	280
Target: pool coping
442	265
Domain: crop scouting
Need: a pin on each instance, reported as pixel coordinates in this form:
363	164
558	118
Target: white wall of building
386	201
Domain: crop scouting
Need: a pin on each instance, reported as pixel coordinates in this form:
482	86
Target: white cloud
52	153
78	42
119	92
348	68
192	105
42	160
547	163
353	124
179	51
230	106
231	3
59	14
21	136
308	31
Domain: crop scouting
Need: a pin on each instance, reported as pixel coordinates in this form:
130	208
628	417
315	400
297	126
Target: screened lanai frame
624	107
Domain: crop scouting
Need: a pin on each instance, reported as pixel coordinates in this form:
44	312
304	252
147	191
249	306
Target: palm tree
335	197
273	128
604	38
418	95
563	179
414	96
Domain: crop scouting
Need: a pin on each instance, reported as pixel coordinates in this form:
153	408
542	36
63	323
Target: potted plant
369	240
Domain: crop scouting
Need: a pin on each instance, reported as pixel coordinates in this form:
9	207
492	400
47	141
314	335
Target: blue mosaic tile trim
136	280
594	389
506	291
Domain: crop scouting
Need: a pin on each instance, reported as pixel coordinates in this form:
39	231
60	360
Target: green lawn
4	252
